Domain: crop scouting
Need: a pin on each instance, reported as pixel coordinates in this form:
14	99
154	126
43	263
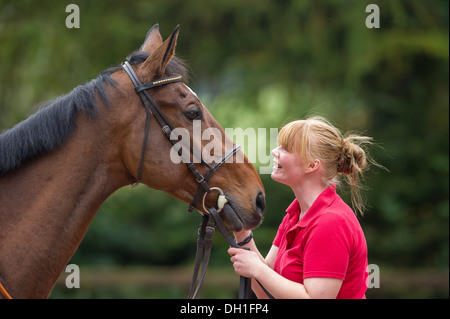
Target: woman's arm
249	264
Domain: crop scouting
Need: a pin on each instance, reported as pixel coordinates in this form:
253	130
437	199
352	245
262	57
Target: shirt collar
322	201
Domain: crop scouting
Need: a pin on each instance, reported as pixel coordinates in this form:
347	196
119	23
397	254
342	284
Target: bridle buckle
166	130
200	179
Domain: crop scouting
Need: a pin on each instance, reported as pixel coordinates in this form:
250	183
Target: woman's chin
276	172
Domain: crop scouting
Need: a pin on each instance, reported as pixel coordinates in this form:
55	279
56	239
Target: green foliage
260	64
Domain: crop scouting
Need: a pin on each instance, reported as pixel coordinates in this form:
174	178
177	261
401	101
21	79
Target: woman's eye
193	114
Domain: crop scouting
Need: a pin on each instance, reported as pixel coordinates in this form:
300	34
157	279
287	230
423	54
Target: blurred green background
258	64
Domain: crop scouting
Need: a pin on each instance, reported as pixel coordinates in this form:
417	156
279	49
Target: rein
204	244
4	292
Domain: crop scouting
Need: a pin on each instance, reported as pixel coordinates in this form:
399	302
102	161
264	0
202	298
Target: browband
156	83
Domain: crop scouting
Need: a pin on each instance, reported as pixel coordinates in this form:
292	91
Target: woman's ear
313	166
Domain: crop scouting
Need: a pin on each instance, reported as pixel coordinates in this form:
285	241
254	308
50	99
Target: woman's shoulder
337	216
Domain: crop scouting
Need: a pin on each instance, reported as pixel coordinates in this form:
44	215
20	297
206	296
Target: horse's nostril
260	203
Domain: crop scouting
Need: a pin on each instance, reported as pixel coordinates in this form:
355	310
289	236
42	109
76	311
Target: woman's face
288	167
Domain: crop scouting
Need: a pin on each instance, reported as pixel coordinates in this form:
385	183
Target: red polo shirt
326	242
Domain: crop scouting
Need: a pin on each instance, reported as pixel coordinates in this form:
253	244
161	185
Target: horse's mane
51	126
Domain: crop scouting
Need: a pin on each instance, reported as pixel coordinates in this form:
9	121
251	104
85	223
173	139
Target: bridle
167	127
211	219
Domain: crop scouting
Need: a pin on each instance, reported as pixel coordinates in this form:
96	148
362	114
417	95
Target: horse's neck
45	209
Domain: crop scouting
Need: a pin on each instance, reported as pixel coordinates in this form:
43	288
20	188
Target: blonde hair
343	156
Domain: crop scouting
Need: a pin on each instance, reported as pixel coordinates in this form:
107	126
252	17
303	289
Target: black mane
50	127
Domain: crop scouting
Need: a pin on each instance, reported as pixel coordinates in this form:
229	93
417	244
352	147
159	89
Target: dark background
258	64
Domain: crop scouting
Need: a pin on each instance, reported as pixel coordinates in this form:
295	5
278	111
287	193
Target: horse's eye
194	114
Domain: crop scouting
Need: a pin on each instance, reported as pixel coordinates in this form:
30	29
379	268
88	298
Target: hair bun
352	158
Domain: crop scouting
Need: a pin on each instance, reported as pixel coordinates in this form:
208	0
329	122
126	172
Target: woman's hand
246	263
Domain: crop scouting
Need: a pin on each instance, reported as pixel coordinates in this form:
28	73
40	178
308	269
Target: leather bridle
167	127
211	219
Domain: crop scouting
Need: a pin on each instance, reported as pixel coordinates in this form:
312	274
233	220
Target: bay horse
59	165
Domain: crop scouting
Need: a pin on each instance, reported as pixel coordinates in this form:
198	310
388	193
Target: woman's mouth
276	165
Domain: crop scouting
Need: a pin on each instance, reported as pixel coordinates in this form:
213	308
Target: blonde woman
319	250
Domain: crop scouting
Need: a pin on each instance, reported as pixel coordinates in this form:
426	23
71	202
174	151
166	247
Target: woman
320	250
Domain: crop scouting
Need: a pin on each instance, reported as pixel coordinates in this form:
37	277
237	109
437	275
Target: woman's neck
306	194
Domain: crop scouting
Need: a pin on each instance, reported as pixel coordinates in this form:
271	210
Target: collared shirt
326	242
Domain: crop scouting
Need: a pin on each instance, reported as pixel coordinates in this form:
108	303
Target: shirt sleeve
281	231
327	251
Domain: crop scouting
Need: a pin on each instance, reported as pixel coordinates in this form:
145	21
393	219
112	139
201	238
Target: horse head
196	141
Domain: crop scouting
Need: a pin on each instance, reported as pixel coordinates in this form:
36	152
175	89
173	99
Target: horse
59	165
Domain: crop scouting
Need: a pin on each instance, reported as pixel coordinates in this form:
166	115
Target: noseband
212	218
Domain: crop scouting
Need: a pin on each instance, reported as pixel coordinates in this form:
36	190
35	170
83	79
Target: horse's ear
159	59
153	40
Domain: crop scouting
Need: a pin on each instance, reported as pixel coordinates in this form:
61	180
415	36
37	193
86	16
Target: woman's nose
275	151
